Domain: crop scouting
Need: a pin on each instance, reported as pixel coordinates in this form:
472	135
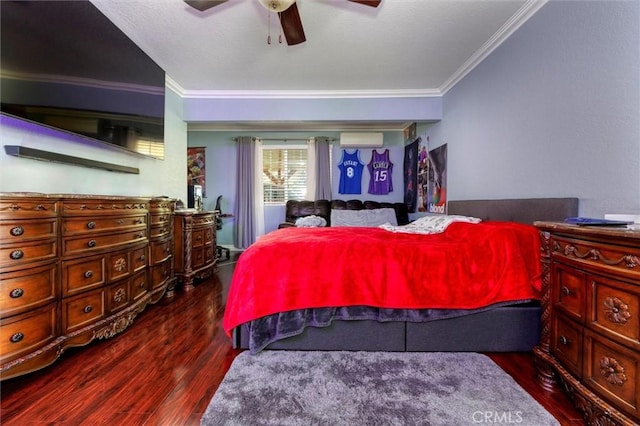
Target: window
284	174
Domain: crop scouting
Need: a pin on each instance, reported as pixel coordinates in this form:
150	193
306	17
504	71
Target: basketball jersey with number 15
380	168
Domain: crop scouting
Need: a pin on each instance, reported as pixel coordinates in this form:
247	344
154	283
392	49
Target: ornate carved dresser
195	245
590	339
74	268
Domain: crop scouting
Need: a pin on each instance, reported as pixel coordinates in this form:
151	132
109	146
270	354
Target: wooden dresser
590	340
195	245
74	268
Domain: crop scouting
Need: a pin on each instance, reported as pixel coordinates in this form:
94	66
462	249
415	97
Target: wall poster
411	175
196	168
437	180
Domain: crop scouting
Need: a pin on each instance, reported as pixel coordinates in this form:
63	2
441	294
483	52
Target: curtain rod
287	139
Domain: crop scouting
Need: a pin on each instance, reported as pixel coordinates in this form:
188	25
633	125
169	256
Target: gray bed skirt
503	329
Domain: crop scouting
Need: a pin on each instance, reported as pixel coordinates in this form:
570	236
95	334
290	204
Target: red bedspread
468	266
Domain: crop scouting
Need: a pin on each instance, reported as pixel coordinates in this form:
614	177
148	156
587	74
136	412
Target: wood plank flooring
165	368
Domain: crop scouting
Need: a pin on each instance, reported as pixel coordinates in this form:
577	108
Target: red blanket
467	266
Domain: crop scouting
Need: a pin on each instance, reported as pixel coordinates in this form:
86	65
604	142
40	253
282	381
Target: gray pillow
361	218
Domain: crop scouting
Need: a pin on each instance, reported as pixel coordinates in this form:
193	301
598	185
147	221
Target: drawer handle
142	258
17	254
165	272
199	238
140	234
16	337
87	309
167	249
138	220
16	231
566	291
141	285
92	243
564	340
88	274
119	221
16	293
91	225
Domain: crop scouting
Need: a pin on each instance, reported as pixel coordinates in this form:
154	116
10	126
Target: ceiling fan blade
292	25
203	5
372	3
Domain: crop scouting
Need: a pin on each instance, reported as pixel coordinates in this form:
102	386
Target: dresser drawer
118	296
138	285
197	257
611	370
209	253
160	231
197	238
160	251
615	310
33	251
83	274
139	258
569	291
87	244
566	343
92	207
27	289
160	273
89	225
82	310
18	231
27	209
27	332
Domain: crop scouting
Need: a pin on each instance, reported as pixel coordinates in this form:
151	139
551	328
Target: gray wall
554	111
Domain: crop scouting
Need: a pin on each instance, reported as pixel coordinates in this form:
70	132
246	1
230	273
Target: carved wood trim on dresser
590	341
74	268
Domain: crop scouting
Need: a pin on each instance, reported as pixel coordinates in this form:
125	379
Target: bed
303	313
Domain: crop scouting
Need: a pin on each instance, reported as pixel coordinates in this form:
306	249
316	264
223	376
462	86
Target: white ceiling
401	48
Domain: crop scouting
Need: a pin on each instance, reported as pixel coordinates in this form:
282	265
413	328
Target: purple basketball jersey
380	169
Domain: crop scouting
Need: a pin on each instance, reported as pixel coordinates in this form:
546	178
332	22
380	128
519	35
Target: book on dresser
590	341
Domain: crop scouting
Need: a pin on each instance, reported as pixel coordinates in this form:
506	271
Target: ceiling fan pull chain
269	28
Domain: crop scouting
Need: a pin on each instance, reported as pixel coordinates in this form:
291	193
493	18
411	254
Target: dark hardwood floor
165	368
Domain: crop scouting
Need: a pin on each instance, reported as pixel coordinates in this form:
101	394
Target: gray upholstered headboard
525	210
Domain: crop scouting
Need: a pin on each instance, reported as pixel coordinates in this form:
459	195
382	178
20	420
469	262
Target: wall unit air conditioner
360	140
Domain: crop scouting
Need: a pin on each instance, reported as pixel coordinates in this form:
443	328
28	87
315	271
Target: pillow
362	218
311	222
430	224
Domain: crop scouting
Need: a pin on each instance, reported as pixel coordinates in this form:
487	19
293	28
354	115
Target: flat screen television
65	65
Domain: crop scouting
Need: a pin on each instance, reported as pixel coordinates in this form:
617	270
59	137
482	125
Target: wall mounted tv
63	64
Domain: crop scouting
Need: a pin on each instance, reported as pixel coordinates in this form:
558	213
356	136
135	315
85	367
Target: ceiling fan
287	11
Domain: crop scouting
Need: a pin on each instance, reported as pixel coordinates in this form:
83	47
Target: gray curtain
323	169
244	232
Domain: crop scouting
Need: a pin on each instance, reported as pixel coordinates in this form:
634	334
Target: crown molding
299	94
515	22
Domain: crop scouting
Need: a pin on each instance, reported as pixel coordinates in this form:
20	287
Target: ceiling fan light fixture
277	5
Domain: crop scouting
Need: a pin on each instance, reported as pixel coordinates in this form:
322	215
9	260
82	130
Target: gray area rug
370	388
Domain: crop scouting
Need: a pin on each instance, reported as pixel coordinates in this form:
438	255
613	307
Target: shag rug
370	388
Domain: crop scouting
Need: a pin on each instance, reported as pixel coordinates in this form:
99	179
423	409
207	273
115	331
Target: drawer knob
87	309
88	274
138	220
616	310
92	243
564	340
16	231
16	337
141	285
140	234
91	225
566	291
17	254
16	293
119	221
142	258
